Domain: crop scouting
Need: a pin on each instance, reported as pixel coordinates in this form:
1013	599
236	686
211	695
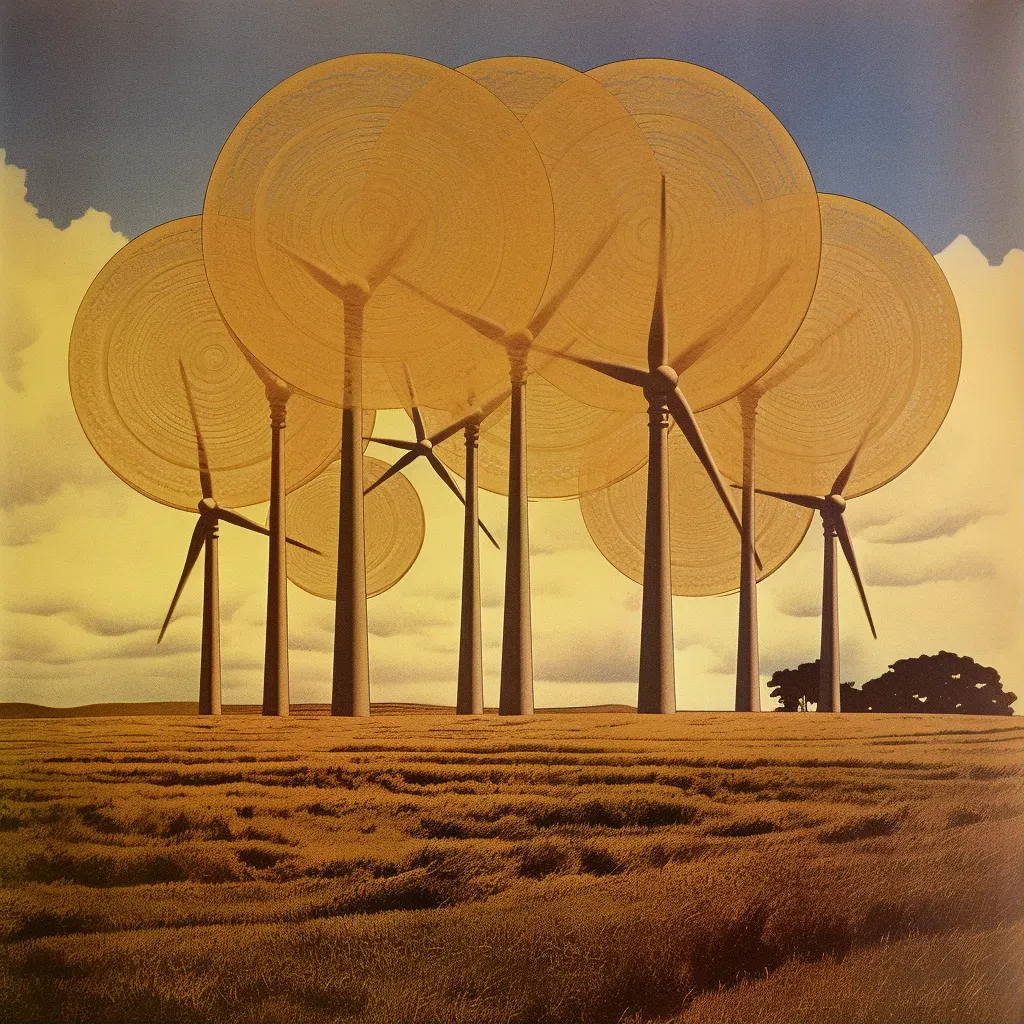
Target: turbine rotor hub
426	444
836	503
523	337
355	288
660	383
207	505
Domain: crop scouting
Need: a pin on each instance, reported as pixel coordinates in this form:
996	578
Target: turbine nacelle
834	504
522	336
519	342
661	382
349	288
353	289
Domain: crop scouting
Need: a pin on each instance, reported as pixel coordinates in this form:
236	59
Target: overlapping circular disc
573	448
147	330
705	542
874	366
605	188
357	167
743	233
392	522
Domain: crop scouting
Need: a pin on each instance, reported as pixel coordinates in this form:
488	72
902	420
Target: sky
911	105
111	116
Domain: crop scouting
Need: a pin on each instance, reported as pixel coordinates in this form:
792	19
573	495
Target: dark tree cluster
942	683
796	688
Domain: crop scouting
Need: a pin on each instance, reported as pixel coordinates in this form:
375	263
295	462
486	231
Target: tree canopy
942	683
796	688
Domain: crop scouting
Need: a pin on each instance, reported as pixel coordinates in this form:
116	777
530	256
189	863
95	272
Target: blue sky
912	106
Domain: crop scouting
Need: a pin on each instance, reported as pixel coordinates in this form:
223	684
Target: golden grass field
589	867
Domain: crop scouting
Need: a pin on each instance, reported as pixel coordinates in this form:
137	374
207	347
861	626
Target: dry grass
959	977
591	867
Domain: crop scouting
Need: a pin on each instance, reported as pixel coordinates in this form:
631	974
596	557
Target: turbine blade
847	545
847	471
488	534
840	482
417	419
417	422
681	413
442	471
389	263
394	442
543	315
267	378
488	328
320	274
627	374
492	406
305	547
394	468
227	515
657	339
724	325
205	481
476	416
195	545
773	379
806	500
454	427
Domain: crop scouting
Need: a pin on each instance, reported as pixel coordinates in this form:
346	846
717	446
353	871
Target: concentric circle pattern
357	167
573	448
393	529
605	188
743	234
147	330
874	366
705	544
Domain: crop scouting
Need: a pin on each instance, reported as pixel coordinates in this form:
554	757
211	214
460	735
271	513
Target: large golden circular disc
743	233
605	187
705	542
359	165
392	523
875	364
572	448
149	315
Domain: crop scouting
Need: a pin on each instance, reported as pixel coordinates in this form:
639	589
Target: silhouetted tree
942	683
796	688
851	699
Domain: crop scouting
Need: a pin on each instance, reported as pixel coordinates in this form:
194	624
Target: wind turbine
656	692
350	693
831	508
204	538
884	338
148	317
276	686
748	674
516	694
469	693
